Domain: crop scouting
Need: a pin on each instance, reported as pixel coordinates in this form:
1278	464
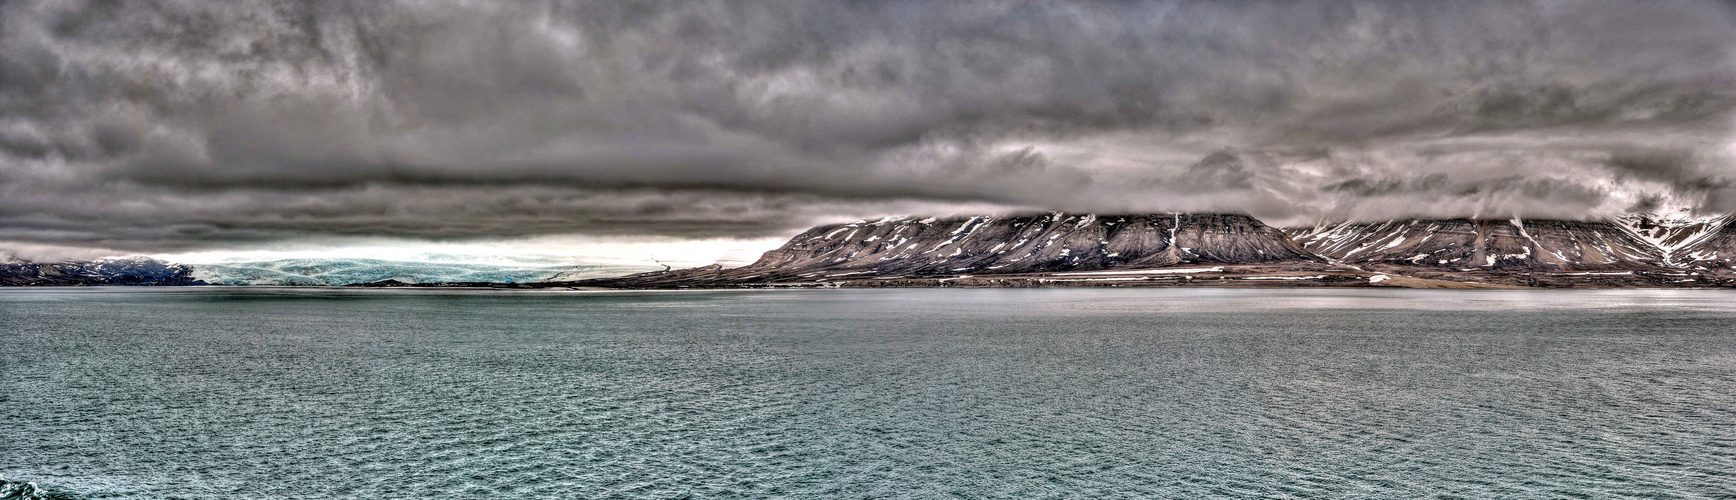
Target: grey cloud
157	220
1681	168
161	124
1393	186
1218	171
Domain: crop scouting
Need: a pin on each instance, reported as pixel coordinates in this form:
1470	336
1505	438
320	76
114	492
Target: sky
694	131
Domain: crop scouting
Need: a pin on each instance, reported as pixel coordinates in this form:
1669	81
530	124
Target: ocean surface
933	393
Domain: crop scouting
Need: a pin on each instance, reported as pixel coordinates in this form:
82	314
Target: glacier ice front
344	271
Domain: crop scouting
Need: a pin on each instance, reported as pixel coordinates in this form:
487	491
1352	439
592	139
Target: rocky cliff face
138	271
1671	234
908	246
1467	244
1713	249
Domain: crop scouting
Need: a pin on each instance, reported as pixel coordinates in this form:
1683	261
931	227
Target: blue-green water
1049	393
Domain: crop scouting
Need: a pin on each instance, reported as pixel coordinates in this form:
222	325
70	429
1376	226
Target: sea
233	392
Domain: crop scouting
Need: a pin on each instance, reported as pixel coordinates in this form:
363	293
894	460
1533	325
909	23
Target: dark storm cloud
176	124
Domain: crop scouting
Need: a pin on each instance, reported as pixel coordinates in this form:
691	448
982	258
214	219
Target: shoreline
1192	276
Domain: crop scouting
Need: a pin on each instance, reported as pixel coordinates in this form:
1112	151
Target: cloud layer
167	126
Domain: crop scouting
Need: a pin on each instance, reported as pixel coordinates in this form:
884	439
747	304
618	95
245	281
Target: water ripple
859	394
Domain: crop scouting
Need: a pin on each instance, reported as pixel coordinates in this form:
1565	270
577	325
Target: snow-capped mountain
109	271
1480	244
1026	244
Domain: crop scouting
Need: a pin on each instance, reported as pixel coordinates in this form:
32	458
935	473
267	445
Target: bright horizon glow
546	250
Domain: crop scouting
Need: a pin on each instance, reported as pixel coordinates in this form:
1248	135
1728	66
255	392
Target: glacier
346	271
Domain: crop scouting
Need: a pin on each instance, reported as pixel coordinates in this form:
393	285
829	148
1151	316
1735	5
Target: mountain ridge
1630	252
909	247
121	271
1513	244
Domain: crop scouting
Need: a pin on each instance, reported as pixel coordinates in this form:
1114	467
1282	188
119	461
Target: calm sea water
1052	393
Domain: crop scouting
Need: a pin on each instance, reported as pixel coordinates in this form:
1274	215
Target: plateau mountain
1468	244
908	247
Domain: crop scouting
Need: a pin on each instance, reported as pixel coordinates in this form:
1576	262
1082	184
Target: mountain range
129	271
1059	249
1233	250
297	272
